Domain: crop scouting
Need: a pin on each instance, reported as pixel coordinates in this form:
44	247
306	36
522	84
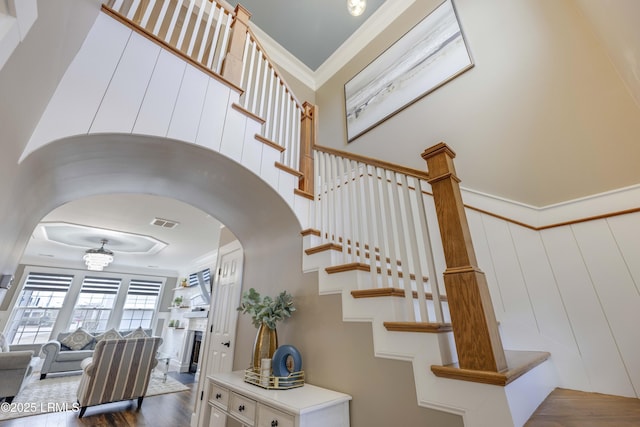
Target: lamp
356	7
97	259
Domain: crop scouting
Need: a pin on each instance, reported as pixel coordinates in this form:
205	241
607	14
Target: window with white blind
95	303
38	306
141	304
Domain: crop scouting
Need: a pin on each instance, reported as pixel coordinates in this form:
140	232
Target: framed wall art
431	54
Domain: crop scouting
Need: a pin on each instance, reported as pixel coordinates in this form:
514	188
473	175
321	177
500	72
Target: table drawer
218	396
242	408
269	417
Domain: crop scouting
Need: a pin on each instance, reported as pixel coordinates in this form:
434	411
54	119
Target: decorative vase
265	345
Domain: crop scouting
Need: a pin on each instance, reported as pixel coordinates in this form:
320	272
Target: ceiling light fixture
97	259
356	7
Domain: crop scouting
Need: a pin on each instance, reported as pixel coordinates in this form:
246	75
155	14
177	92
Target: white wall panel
485	262
252	155
599	352
234	134
121	103
615	290
75	102
268	171
541	284
186	115
626	231
160	98
509	277
286	184
214	113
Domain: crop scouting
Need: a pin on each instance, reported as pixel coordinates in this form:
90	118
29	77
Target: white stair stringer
480	405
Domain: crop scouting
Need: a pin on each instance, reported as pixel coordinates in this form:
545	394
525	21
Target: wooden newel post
307	141
472	317
232	65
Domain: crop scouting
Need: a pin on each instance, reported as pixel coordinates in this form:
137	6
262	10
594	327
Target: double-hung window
141	304
95	303
38	306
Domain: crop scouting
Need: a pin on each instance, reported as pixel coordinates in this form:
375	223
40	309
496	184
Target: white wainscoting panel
626	231
160	98
214	114
252	154
598	348
234	134
615	290
74	104
121	102
188	109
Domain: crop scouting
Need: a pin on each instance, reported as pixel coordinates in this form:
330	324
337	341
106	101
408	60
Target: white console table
253	406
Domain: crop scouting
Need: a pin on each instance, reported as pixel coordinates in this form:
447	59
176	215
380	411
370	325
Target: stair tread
426	327
389	292
365	267
518	364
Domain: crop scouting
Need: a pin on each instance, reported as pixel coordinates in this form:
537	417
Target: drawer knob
218	396
274	423
241	408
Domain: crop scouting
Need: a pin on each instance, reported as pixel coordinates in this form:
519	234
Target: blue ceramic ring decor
280	358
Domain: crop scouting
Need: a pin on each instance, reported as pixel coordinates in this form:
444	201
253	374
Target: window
38	307
95	303
141	303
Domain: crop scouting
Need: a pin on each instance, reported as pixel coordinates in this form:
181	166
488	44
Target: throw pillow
4	345
137	333
78	339
111	334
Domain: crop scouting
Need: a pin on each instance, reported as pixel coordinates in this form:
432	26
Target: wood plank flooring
173	409
571	408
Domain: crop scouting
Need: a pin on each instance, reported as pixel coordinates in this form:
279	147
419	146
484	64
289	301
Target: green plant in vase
265	313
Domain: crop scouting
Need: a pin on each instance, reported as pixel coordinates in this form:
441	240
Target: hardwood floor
570	408
173	409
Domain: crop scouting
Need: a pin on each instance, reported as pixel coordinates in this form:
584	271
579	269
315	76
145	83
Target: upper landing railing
373	211
220	40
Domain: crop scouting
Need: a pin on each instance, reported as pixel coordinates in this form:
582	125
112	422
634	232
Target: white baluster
147	14
269	118
222	14
185	24
433	275
161	17
372	213
223	47
390	232
196	28
117	5
207	29
255	83
132	10
172	23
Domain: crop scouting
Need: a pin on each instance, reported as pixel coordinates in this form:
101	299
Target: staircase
372	230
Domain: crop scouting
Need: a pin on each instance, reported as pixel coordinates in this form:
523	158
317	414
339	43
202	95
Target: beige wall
541	118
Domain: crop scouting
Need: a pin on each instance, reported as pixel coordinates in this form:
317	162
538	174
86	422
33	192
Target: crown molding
372	27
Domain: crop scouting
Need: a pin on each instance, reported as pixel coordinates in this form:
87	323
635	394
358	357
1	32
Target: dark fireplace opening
195	351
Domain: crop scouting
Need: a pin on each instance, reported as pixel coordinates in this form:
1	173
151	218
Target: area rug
58	394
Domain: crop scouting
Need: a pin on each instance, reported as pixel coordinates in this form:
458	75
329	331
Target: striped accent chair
120	369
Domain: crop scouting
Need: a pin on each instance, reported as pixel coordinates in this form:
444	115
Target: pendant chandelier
356	7
98	259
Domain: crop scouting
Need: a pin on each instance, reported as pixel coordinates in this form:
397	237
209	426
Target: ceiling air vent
164	223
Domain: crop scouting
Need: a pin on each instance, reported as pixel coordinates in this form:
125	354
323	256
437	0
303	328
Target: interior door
226	298
221	333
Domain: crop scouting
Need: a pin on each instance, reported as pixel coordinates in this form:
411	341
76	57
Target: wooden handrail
274	67
416	173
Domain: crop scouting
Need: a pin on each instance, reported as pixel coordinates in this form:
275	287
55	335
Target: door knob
227	344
